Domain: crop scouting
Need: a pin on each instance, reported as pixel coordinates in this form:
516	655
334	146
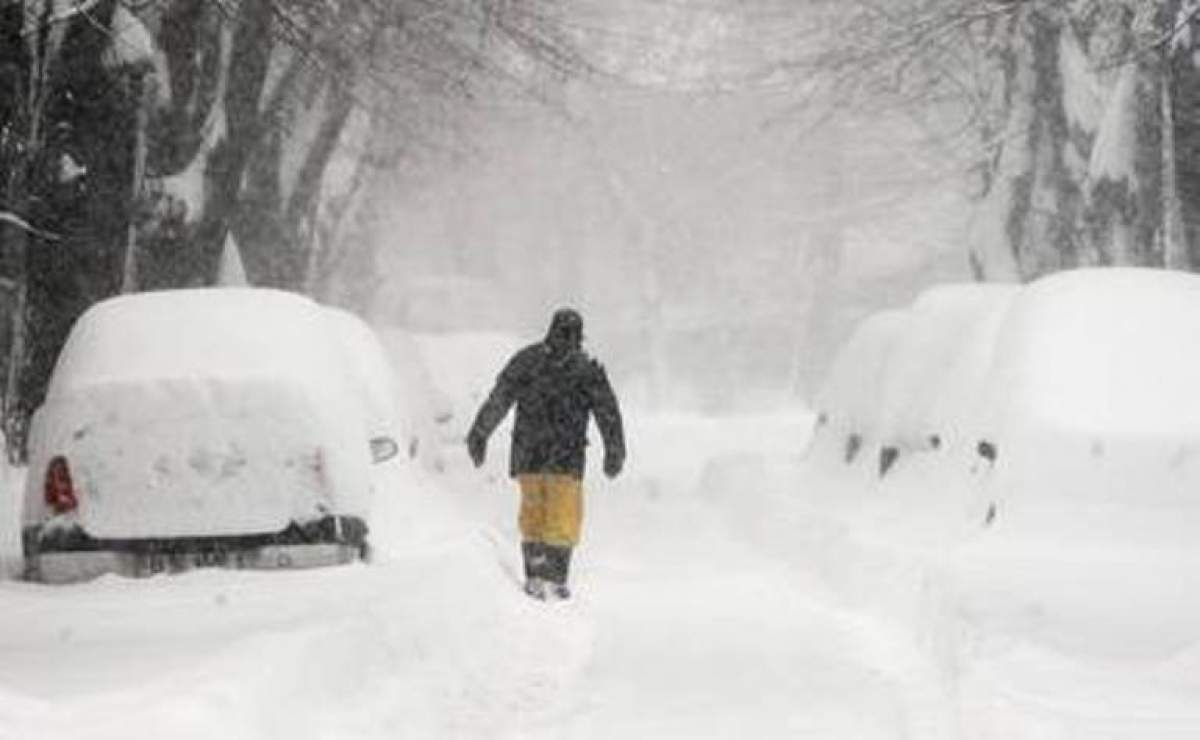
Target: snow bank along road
683	625
723	590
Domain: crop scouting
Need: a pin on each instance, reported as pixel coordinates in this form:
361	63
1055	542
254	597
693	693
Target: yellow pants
551	509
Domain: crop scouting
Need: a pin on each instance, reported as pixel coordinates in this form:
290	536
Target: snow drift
1072	390
1091	404
1043	554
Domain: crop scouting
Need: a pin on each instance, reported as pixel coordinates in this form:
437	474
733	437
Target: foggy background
720	242
721	187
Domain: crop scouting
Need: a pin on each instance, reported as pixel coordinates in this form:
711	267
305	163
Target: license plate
73	567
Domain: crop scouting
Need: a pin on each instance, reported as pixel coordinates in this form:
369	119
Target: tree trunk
301	210
1175	247
248	65
994	236
1184	86
1063	195
329	249
1045	220
129	271
1175	251
1124	215
43	38
16	413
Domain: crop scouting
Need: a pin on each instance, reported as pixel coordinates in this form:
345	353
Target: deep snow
679	628
727	586
1053	585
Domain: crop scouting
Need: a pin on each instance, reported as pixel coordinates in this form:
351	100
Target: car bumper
69	556
74	567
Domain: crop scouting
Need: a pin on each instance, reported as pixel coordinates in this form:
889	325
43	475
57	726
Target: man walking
555	386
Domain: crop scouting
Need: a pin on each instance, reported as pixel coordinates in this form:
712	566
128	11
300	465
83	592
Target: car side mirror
383	449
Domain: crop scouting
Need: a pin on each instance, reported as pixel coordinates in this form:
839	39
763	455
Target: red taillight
60	493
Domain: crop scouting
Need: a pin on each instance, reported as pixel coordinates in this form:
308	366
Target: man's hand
477	448
613	462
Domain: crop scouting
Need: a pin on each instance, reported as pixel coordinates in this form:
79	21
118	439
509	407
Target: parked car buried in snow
206	427
373	380
1064	406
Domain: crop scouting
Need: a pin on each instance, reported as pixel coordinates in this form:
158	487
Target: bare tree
135	140
1078	114
66	161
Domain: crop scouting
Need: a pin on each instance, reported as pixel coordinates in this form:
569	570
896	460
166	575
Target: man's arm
491	413
608	418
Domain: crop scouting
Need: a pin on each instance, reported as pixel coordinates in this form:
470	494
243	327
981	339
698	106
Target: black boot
558	569
534	554
536	563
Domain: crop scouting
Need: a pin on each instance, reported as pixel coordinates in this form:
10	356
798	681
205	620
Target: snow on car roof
855	381
203	412
367	363
940	358
196	333
1107	350
1103	350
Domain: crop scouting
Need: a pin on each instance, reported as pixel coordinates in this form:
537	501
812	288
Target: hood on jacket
566	331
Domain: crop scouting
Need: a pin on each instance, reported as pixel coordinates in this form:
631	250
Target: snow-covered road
699	632
681	627
723	590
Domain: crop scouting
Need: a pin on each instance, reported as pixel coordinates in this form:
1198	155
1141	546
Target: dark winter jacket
555	385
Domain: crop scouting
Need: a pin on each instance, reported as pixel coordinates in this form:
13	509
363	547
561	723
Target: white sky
728	205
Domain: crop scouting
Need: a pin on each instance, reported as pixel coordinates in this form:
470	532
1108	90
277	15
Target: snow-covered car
373	381
909	380
215	426
1089	407
1060	409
